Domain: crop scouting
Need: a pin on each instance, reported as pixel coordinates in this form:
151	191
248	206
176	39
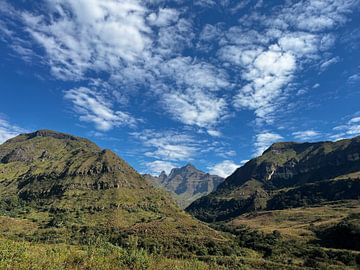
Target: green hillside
81	207
286	175
67	189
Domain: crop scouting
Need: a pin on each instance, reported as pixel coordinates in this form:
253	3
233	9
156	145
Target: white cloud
158	166
299	43
270	71
268	59
193	74
164	17
224	168
264	140
348	130
172	40
306	135
214	133
7	130
324	65
354	120
133	44
354	78
139	43
94	108
89	35
194	107
316	16
168	146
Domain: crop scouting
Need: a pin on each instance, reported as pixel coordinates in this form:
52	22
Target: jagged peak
189	166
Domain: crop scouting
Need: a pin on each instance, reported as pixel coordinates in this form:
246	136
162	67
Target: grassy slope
286	175
298	223
69	190
82	208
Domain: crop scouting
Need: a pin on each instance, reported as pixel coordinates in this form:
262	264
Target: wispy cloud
269	59
306	135
197	74
166	148
347	130
8	130
264	140
158	166
224	168
135	45
169	145
82	36
94	108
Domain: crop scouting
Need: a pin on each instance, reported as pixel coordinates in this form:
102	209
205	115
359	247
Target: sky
166	83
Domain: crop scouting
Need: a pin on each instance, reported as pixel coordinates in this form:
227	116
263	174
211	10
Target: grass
103	256
298	223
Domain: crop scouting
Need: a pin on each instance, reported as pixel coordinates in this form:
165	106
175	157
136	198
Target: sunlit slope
286	175
67	188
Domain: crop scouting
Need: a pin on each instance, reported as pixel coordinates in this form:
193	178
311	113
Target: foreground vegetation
250	249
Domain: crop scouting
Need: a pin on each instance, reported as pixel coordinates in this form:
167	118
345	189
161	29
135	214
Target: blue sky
164	83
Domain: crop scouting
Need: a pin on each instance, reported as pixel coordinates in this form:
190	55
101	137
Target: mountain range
294	207
286	175
186	183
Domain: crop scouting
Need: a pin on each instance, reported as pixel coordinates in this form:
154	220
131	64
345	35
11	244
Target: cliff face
284	169
186	183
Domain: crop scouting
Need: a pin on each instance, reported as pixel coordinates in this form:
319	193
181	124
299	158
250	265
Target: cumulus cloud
224	168
264	140
156	50
164	17
306	135
8	130
133	43
269	72
194	74
194	107
269	59
316	16
79	36
94	108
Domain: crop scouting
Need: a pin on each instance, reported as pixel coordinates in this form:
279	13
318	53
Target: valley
295	207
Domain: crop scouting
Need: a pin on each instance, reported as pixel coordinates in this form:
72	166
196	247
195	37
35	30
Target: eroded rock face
186	183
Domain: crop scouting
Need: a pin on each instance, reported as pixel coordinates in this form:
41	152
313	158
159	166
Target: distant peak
189	166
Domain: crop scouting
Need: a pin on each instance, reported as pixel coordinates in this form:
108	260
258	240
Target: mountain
67	189
286	175
83	207
186	183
